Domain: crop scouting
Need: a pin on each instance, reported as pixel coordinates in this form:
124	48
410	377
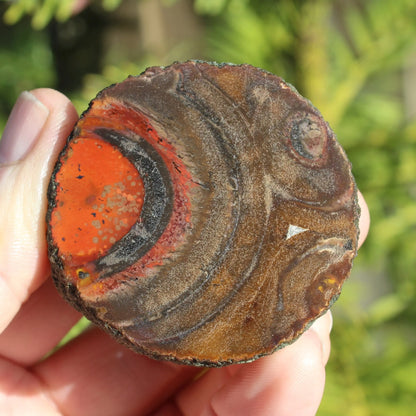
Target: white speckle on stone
293	230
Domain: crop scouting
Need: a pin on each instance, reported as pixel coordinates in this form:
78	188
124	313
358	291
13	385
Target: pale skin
93	375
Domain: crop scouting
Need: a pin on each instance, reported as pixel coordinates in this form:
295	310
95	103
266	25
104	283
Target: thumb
35	132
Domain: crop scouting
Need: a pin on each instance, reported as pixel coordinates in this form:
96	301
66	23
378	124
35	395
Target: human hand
93	375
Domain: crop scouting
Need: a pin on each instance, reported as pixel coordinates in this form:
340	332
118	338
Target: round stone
202	213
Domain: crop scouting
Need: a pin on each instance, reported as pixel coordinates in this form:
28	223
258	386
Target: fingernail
23	127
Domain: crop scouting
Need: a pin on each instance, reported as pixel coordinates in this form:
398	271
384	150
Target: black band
157	205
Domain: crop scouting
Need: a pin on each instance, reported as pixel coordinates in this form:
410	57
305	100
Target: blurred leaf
43	11
64	10
211	7
82	325
111	4
16	10
385	308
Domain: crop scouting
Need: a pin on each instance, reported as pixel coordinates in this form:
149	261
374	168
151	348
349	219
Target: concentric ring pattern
202	213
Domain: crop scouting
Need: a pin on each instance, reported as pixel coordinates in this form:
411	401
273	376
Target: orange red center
99	197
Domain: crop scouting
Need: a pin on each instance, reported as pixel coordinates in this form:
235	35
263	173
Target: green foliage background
353	59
